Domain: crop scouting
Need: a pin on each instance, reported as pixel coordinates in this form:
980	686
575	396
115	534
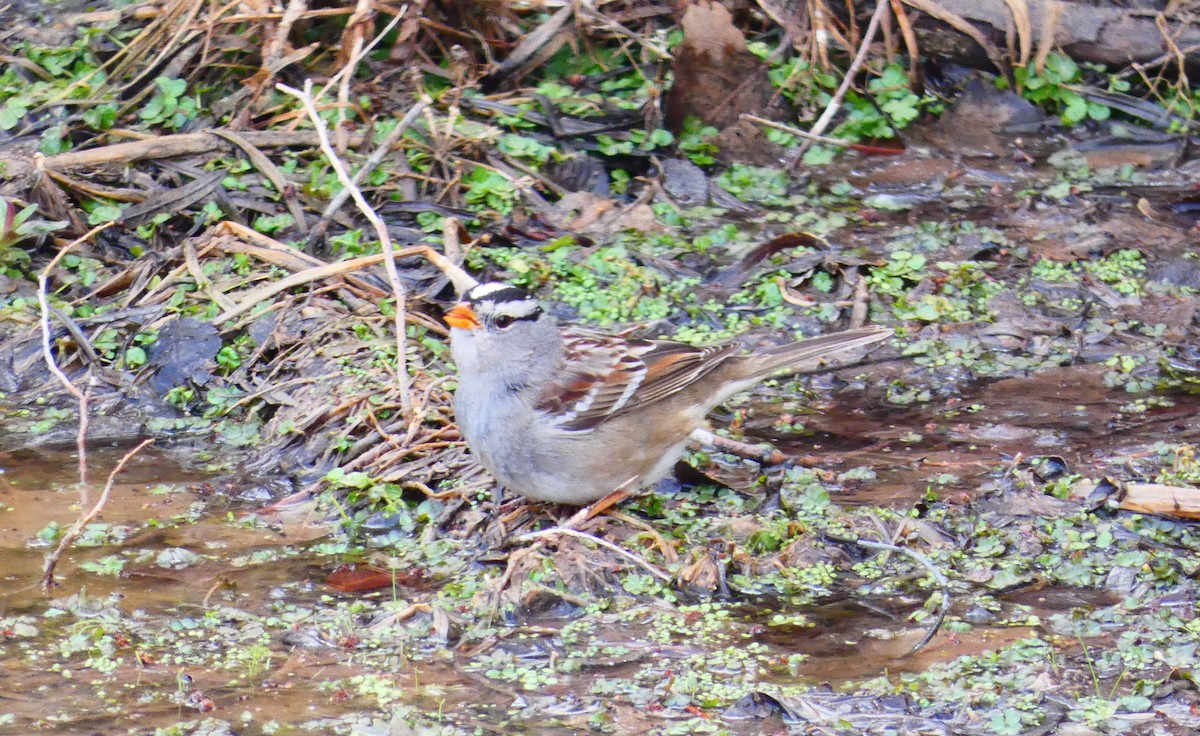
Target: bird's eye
504	321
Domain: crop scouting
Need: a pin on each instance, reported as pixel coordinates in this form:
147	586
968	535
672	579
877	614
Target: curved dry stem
933	572
77	527
81	396
398	291
560	530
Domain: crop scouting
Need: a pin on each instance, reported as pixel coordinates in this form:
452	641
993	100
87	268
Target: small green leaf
818	156
1096	111
135	357
171	87
1061	68
101	117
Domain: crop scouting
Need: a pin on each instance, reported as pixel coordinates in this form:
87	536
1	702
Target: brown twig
385	240
77	527
82	397
1052	13
818	128
910	43
758	453
1173	54
170	146
1019	10
369	165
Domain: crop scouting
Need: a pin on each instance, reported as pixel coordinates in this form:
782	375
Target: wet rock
9	380
684	181
183	354
580	173
1116	153
984	120
263	327
978	615
911	170
1180	271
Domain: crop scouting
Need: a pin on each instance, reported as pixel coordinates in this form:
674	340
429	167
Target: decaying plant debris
697	170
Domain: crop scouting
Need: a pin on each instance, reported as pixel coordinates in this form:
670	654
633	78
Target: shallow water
188	557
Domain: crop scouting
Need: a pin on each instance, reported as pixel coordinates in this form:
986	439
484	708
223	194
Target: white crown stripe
484	289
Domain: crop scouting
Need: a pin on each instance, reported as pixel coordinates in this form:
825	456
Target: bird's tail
807	356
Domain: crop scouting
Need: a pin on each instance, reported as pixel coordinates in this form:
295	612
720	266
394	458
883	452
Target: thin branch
358	55
83	397
763	453
531	536
385	240
44	302
933	571
791	129
77	527
368	166
818	128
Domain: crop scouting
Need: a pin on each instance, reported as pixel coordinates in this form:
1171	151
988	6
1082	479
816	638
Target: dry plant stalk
910	41
958	23
81	396
77	527
347	71
370	164
791	129
385	240
1024	30
1160	21
539	536
178	144
1052	13
818	128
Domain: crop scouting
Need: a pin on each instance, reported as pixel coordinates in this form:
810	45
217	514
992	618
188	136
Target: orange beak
462	316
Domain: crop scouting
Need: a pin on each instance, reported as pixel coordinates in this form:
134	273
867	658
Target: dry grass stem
385	240
793	130
347	71
626	554
1052	13
1024	30
881	8
371	163
82	396
73	533
958	23
910	42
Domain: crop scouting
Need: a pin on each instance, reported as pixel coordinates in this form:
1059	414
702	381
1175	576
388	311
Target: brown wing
608	377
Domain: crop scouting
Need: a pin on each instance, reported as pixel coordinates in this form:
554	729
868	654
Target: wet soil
204	582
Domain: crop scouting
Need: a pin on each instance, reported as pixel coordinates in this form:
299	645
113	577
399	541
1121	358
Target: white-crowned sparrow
560	414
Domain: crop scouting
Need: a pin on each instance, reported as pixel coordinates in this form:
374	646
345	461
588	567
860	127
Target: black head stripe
492	301
496	293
